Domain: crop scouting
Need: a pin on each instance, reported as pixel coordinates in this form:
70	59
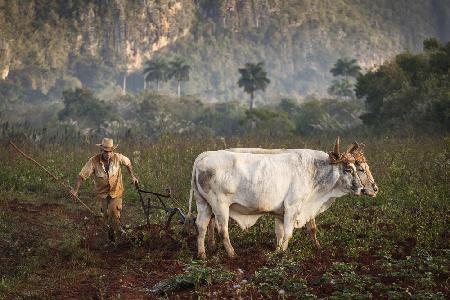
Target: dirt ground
61	252
129	268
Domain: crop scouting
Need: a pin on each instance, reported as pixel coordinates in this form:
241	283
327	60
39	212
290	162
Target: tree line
161	70
410	91
253	75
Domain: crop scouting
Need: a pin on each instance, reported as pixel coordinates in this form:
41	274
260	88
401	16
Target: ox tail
191	194
189	221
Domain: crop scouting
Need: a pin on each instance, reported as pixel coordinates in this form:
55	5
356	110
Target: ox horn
336	147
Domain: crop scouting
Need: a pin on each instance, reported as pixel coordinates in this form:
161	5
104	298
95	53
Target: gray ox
294	185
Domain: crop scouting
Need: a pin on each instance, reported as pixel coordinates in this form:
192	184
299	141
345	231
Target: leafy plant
195	275
273	279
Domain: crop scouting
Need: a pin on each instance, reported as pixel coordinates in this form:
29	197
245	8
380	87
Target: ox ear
352	147
336	147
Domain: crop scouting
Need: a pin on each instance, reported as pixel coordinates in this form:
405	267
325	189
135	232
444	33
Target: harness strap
362	183
357	175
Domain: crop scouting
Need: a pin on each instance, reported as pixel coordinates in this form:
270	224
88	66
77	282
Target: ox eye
348	170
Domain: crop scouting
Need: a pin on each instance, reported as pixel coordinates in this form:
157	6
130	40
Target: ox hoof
202	255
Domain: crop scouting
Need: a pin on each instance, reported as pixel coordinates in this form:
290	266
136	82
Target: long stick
63	183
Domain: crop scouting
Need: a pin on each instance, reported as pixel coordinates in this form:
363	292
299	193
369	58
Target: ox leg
279	232
312	229
203	217
222	217
211	229
289	221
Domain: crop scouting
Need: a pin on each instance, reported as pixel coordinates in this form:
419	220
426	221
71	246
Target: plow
153	201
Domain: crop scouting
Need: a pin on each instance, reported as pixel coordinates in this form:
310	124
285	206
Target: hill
48	46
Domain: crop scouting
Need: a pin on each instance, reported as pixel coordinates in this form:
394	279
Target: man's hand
134	180
74	191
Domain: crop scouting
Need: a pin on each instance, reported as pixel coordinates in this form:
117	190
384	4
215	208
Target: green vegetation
179	70
392	246
411	92
195	275
81	105
346	68
156	70
411	89
50	46
150	115
278	279
299	41
253	78
341	88
62	95
159	70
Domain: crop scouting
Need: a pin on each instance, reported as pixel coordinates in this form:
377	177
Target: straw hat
107	144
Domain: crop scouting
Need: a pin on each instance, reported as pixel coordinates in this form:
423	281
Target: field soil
129	267
393	246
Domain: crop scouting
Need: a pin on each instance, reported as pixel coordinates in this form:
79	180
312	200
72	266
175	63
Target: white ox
293	185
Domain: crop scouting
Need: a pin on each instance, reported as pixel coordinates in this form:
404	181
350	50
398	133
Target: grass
393	246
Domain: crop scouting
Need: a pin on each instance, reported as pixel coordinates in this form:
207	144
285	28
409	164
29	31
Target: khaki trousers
111	208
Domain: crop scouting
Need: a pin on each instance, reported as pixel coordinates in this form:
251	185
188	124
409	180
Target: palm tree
253	78
179	69
346	67
156	70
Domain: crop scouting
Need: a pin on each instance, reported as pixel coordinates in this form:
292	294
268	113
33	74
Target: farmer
108	182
